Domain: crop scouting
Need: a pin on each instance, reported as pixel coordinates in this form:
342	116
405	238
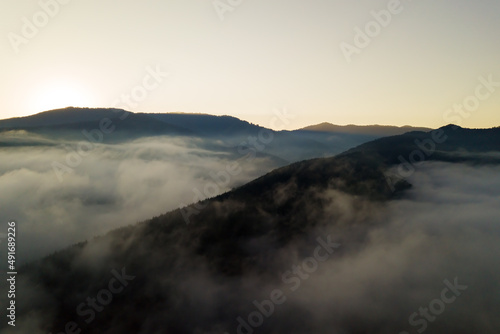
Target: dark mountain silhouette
205	124
119	125
119	129
370	130
289	146
78	118
192	278
68	115
200	124
449	143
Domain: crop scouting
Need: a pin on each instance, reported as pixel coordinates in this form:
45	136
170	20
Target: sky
338	61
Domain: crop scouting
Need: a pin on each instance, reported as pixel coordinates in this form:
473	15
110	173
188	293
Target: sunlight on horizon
60	94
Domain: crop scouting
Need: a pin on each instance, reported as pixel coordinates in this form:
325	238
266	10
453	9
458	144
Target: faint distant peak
457	127
374	130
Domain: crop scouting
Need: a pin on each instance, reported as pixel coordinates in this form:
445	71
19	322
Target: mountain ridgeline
76	124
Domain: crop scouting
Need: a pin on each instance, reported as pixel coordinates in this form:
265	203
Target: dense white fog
112	186
391	263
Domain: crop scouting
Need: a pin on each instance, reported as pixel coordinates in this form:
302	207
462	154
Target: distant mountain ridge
455	144
374	130
202	123
206	124
68	115
228	131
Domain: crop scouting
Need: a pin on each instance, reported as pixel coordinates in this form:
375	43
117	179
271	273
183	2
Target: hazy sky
247	58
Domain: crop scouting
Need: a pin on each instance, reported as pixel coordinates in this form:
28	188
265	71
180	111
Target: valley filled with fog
114	185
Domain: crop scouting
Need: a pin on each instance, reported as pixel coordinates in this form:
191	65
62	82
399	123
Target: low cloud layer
446	228
113	186
388	274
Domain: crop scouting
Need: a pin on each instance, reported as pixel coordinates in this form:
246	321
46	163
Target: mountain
76	118
231	132
116	129
208	267
287	145
68	115
371	130
114	124
205	124
449	143
349	136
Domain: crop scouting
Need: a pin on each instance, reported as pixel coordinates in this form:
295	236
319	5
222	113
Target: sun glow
60	95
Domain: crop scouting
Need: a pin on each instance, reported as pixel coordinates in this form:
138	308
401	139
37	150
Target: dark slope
230	238
235	236
449	143
351	135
